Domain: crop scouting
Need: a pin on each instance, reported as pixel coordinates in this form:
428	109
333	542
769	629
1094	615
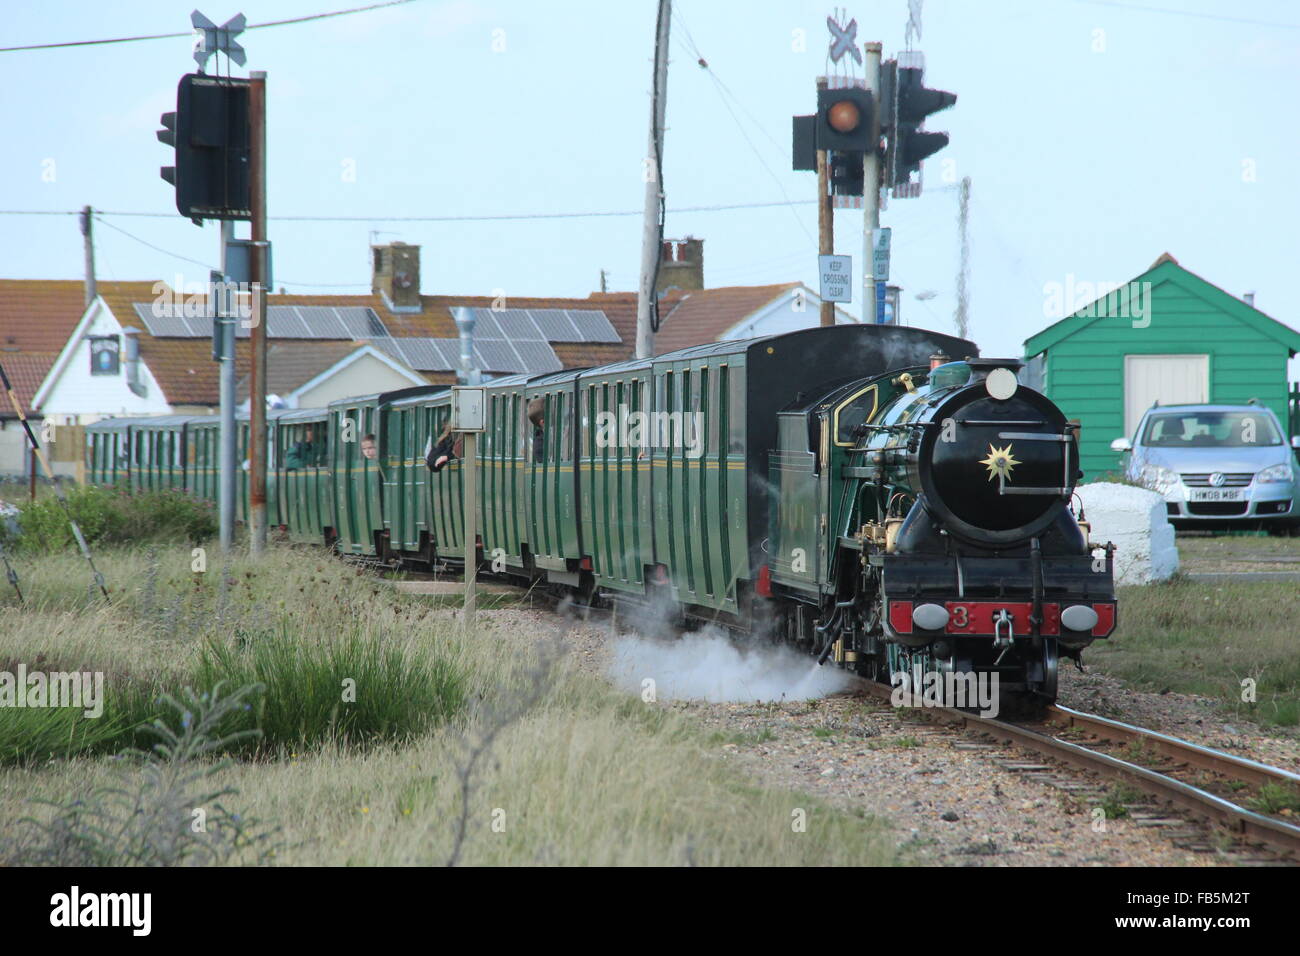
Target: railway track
1174	771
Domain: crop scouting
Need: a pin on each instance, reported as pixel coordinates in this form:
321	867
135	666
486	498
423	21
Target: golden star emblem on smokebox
1000	462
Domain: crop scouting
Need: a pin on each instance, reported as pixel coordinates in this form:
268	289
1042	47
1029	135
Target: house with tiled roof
144	348
36	318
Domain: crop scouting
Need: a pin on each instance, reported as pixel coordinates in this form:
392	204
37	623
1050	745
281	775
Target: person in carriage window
442	452
536	415
303	454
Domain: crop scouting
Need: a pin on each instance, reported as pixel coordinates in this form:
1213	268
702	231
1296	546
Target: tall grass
357	688
581	775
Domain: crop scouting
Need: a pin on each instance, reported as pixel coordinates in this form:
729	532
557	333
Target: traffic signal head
847	174
907	102
804	139
209	131
845	120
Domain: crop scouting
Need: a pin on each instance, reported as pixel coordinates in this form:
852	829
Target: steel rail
1195	755
1255	827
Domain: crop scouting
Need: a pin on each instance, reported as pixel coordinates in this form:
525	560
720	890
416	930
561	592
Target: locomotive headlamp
1001	383
1079	617
931	617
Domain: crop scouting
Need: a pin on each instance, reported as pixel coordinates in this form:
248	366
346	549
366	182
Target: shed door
1167	379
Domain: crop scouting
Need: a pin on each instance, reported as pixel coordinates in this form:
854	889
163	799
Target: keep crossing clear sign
836	278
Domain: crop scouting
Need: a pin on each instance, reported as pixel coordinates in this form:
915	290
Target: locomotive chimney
937	359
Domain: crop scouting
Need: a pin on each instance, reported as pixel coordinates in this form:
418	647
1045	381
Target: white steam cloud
706	665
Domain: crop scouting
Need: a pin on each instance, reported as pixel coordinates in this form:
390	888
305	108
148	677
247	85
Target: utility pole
825	215
88	241
871	190
651	237
257	452
227	464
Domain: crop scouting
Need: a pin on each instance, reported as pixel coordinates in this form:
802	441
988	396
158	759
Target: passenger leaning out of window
536	415
442	452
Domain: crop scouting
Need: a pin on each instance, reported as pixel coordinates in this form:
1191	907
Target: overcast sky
1097	135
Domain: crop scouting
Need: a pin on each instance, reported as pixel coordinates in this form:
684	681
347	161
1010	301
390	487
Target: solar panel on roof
422	354
593	325
323	322
555	325
160	321
450	349
538	357
284	323
497	357
390	348
518	325
200	326
361	323
485	325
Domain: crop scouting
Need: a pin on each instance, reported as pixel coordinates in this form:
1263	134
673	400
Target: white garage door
1167	379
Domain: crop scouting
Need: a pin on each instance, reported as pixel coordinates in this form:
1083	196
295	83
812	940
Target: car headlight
1159	477
1280	472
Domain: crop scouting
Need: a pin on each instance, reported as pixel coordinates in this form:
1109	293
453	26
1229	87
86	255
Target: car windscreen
1210	430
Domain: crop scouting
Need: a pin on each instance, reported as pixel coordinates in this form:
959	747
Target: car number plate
1215	494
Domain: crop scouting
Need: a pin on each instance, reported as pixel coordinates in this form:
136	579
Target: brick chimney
681	265
395	275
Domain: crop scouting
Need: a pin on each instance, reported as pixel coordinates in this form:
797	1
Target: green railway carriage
108	452
444	511
359	481
302	476
614	473
408	426
203	438
504	463
552	493
701	496
158	455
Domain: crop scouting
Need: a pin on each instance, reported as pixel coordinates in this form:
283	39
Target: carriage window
566	453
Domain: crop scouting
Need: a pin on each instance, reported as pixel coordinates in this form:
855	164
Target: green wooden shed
1167	336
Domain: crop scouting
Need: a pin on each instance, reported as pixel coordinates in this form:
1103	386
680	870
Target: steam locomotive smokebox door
1005	468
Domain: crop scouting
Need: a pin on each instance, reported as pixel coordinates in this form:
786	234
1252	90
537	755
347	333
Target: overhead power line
174	36
1217	17
503	217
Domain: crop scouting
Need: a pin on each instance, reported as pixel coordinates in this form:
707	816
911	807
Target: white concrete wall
87	398
13	447
1135	521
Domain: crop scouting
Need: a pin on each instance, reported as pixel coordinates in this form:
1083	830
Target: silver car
1217	464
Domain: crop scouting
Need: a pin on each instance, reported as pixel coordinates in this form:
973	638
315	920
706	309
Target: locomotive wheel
1051	671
